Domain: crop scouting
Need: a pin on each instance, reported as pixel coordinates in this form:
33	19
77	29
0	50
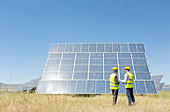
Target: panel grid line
145	87
74	65
133	66
118	65
88	67
136	47
60	64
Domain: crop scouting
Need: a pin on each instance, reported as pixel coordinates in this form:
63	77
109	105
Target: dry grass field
25	102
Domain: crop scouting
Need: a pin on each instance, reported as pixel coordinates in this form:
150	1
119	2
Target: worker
114	84
128	81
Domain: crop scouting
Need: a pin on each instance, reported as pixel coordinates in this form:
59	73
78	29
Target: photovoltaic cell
90	88
107	75
69	48
77	47
86	68
124	48
100	47
108	91
140	48
83	55
64	75
66	68
150	87
80	75
71	86
69	55
108	47
92	48
127	62
53	62
96	55
110	62
134	88
61	86
81	68
51	69
56	87
67	62
53	48
124	55
96	68
84	48
116	47
110	55
81	86
95	75
50	75
138	55
61	47
143	76
96	61
140	87
82	61
55	55
139	62
100	87
141	69
132	47
41	89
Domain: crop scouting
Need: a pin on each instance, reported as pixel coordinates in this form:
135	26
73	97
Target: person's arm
116	80
125	79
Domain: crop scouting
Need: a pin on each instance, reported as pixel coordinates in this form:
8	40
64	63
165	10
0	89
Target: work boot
114	103
129	105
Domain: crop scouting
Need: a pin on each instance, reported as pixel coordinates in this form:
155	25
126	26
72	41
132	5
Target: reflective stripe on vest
112	82
129	82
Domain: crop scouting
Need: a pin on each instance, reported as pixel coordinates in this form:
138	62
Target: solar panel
140	87
71	86
157	80
86	68
80	87
28	85
122	89
100	87
150	88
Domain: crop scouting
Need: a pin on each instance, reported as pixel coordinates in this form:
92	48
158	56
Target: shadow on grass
84	95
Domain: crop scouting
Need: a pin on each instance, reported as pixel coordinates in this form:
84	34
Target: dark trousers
115	95
130	96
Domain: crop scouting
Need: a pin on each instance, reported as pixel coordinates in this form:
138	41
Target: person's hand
123	82
119	81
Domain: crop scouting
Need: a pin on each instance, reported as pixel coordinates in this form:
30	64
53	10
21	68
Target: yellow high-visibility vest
129	82
113	86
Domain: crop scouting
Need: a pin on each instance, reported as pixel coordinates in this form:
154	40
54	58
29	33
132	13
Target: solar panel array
28	85
86	68
157	80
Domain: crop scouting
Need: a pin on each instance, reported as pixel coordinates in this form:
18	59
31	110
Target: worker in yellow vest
128	81
114	84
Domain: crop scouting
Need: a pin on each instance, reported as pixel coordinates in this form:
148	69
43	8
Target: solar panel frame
87	60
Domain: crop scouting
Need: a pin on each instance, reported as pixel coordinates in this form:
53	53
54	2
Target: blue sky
28	27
